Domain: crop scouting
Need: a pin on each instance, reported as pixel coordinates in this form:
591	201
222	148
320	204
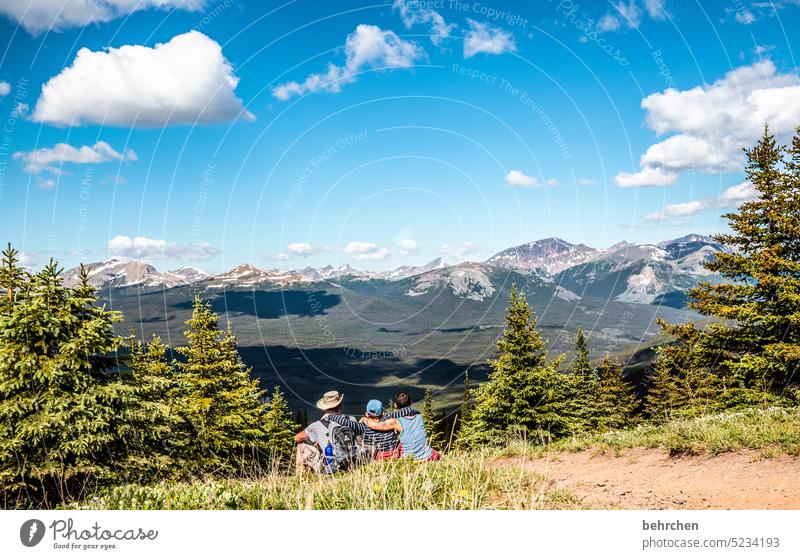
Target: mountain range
625	272
369	334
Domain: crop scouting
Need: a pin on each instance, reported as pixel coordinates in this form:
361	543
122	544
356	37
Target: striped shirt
375	441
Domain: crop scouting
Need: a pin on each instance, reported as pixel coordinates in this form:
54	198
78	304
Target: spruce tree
60	392
279	429
150	424
756	344
581	385
433	422
616	401
221	405
465	410
524	389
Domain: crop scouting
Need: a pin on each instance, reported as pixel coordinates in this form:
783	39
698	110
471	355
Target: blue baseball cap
374	407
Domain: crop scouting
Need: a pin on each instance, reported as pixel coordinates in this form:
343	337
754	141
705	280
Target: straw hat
330	400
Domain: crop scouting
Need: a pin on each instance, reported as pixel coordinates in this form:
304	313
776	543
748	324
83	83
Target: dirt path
650	479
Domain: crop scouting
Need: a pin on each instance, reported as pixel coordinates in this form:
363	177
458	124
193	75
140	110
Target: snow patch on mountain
643	287
470	282
566	294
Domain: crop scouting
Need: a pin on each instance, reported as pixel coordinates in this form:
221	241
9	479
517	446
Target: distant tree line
81	407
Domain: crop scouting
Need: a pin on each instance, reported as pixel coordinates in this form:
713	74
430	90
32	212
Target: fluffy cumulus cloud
367	47
414	12
5	88
182	81
361	250
37	16
730	198
458	251
406	246
648	176
485	38
518	179
302	249
710	124
158	249
52	159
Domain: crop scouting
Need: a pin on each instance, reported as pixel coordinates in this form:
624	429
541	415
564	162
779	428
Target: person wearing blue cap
378	445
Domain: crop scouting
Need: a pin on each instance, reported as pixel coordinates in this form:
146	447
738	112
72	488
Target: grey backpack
343	442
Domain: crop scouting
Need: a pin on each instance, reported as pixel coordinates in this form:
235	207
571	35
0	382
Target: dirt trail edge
651	479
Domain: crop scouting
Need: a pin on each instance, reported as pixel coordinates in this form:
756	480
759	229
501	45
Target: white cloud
465	248
368	46
713	122
357	247
630	13
158	249
282	256
37	16
413	13
586	182
656	9
648	176
608	23
52	159
552	182
302	249
730	198
379	254
182	81
739	193
407	246
45	183
483	37
20	110
683	151
5	88
519	179
677	210
745	17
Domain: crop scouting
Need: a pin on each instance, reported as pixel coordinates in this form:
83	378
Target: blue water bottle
329	457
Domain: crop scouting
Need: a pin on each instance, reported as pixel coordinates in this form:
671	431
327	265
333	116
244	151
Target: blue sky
302	133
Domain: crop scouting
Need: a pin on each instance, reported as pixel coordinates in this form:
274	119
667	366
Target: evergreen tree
682	383
59	389
524	390
582	366
221	405
279	429
465	410
433	422
11	274
150	424
756	344
616	401
581	385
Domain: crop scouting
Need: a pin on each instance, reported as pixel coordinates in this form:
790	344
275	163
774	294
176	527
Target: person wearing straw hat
312	441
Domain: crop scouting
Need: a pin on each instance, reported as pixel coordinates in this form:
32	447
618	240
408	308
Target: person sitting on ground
410	430
313	440
378	445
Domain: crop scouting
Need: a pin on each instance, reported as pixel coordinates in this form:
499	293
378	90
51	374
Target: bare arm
357	428
388	425
301	437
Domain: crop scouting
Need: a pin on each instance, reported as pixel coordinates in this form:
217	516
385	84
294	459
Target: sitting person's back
410	430
377	445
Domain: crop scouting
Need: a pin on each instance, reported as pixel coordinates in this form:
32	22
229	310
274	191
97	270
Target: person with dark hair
410	430
378	445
